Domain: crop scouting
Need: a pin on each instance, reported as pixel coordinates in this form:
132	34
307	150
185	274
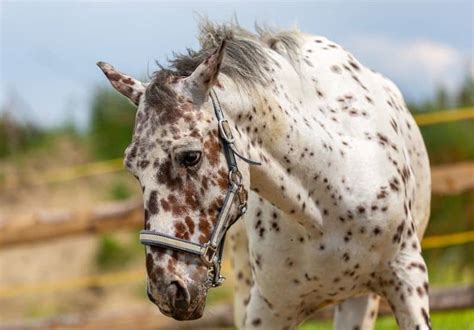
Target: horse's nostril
178	295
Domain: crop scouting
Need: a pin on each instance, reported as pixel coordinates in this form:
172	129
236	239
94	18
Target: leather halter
211	252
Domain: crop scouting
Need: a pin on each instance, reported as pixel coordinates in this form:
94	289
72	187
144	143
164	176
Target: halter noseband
211	252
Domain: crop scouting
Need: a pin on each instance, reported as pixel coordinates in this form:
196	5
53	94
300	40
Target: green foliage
111	124
449	142
450	265
465	96
120	191
440	320
454	320
19	138
316	325
451	213
224	294
454	141
113	254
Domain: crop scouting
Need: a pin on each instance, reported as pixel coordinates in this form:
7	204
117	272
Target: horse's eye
190	158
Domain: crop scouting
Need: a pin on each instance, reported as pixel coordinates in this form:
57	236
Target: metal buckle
207	258
213	264
243	208
243	196
225	131
217	279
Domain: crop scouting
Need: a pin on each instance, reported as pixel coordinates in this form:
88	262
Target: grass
455	320
223	294
451	265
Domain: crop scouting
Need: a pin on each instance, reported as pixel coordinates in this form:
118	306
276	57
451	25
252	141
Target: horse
321	155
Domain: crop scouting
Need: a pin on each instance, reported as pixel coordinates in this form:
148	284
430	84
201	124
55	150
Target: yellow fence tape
110	279
439	117
79	171
100	280
439	241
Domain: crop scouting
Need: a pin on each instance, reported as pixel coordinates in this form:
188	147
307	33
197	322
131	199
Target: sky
49	49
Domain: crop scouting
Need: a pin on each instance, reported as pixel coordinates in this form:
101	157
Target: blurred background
69	214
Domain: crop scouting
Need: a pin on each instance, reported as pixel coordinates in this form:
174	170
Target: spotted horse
337	205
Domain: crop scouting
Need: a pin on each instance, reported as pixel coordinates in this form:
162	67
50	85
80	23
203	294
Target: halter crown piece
211	252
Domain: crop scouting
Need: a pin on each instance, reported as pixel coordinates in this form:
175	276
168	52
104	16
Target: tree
465	96
111	123
442	101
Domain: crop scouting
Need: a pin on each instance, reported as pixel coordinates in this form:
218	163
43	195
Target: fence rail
452	178
129	216
47	225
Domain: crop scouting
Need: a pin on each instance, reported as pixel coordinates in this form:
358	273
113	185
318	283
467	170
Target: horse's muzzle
176	301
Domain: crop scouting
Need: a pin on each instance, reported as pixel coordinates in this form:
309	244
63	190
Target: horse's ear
124	84
205	75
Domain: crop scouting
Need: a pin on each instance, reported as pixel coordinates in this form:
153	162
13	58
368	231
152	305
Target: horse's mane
245	60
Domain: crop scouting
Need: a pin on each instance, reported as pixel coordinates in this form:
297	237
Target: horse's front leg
404	282
242	271
261	314
357	313
251	309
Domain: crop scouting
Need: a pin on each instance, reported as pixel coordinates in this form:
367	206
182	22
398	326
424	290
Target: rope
126	277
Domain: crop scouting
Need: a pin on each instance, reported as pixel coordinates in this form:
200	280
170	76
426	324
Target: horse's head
176	156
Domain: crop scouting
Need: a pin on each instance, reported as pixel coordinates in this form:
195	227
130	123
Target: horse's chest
290	266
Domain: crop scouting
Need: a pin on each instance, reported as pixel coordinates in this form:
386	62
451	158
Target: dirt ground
57	262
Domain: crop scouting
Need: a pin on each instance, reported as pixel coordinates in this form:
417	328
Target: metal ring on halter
235	177
217	279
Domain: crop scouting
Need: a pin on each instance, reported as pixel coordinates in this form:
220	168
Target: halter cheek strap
211	252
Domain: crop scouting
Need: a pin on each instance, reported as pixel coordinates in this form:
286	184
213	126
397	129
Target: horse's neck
270	128
282	130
